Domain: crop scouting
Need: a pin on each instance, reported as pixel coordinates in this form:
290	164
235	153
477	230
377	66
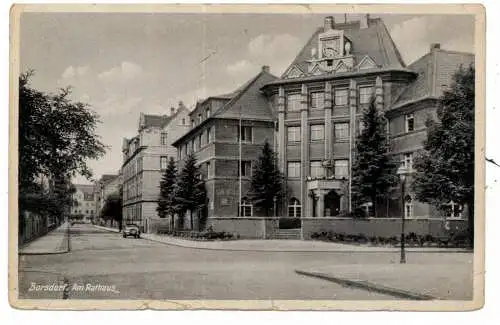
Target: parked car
131	230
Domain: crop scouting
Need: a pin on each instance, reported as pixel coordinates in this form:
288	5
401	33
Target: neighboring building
320	99
84	208
108	184
145	157
218	123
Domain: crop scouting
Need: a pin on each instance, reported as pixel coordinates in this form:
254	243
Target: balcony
325	183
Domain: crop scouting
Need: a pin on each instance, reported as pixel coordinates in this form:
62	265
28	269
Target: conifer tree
166	202
445	168
189	196
373	172
266	184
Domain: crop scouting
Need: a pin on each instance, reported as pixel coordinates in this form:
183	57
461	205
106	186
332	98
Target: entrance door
332	204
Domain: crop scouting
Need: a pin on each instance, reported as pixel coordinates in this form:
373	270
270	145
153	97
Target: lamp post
402	172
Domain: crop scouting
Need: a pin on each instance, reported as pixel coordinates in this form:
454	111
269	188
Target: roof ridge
391	40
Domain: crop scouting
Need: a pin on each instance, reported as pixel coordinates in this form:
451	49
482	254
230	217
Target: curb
368	286
107	229
292	251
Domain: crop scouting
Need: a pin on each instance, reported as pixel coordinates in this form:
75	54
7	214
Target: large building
320	100
225	130
145	157
313	115
84	205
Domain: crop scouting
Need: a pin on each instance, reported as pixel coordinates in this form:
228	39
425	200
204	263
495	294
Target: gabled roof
373	41
247	102
155	120
435	72
87	189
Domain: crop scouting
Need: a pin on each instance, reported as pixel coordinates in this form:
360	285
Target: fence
32	227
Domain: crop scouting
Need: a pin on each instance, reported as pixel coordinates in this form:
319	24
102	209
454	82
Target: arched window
246	208
294	208
408	207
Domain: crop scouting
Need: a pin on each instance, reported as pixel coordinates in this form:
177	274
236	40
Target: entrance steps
286	234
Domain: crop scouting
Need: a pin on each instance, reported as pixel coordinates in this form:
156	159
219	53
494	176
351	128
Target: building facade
84	204
227	135
320	100
145	157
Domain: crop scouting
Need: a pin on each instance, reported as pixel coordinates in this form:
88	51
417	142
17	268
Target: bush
289	223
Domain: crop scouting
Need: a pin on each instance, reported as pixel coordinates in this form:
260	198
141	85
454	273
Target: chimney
265	68
172	111
364	21
435	46
329	23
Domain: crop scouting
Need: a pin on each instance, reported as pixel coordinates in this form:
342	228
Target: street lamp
402	172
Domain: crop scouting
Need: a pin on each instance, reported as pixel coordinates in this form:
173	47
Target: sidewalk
407	281
280	245
55	242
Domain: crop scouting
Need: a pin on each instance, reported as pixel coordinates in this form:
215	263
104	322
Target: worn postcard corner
247	157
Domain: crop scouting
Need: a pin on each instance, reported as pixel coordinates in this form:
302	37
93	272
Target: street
103	265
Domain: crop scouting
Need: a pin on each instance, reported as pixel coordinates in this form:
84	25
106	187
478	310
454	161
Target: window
209	131
341	168
139	164
341	97
185	148
200	141
183	121
317	100
245	208
365	95
453	210
294	208
329	63
179	153
317	132
409	122
192	122
209	169
293	133
317	169
163	162
293	169
245	168
164	138
208	112
341	131
245	133
293	102
199	118
194	144
408	207
361	126
408	161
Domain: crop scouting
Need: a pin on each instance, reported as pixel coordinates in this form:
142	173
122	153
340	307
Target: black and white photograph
247	157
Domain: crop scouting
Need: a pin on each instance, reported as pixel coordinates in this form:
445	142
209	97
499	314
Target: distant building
108	184
145	157
218	123
84	207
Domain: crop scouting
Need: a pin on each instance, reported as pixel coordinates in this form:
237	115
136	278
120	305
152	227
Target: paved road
142	269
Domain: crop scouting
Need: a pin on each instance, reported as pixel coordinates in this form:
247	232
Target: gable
293	72
367	63
316	70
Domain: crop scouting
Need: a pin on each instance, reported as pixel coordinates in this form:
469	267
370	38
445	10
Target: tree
266	186
445	167
56	138
373	172
112	209
166	203
190	194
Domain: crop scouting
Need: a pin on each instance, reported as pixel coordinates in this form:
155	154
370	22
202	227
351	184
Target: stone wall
244	227
384	227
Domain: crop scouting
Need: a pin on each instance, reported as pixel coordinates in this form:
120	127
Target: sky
123	64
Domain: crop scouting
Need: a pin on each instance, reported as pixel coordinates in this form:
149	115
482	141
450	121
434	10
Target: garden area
459	240
207	235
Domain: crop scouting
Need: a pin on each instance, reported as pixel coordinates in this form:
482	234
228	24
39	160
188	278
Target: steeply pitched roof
374	41
435	72
87	189
246	102
155	120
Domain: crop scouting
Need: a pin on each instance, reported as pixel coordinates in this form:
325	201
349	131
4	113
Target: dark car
131	230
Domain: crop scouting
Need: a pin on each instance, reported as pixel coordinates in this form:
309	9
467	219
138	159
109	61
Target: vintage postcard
255	157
